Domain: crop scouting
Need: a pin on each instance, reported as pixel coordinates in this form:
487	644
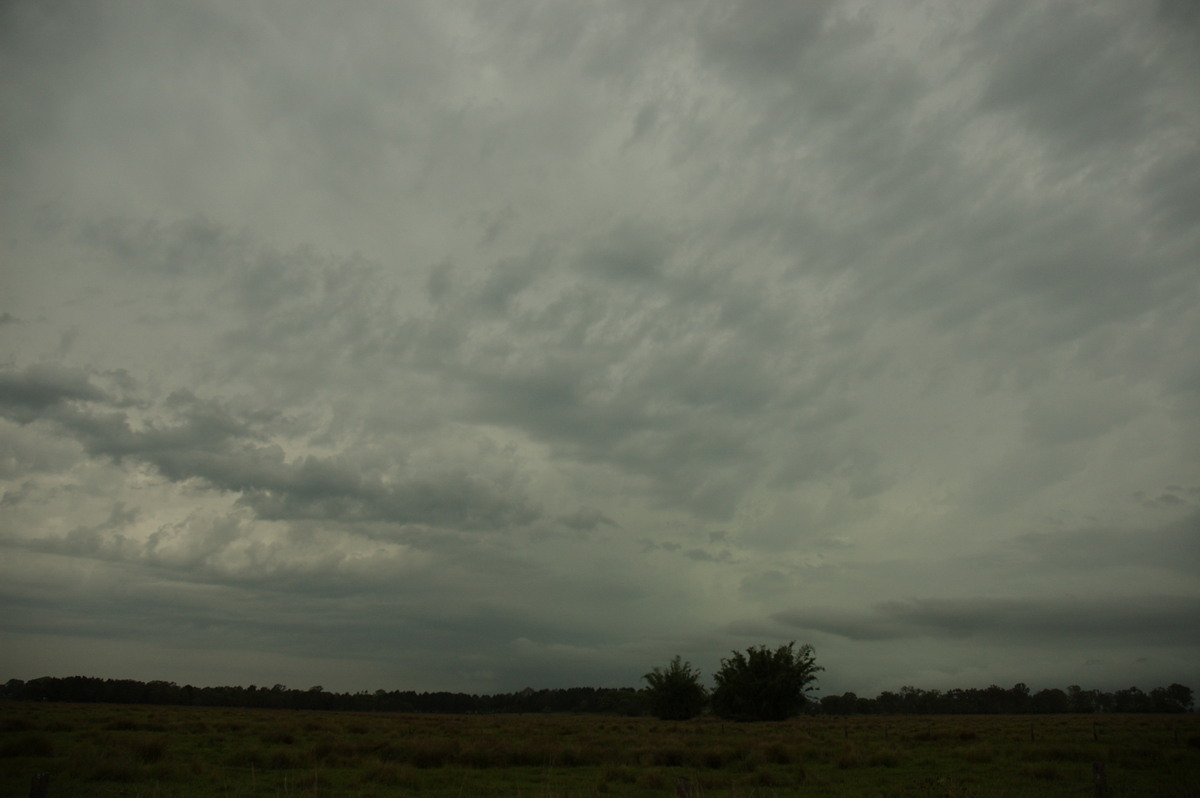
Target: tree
1131	699
1080	700
1180	697
845	704
1051	700
763	684
675	692
1175	698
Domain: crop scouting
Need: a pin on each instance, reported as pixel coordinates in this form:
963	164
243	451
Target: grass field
178	752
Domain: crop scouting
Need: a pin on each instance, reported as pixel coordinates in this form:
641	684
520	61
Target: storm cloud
477	346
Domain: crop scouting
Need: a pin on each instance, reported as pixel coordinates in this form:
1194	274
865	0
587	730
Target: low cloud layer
473	346
1137	620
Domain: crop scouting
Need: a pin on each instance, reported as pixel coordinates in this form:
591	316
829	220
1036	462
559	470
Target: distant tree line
765	684
619	700
1017	699
88	689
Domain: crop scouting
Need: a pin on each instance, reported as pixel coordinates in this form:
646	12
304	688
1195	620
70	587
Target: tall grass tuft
619	774
777	753
884	758
28	745
148	750
96	764
389	774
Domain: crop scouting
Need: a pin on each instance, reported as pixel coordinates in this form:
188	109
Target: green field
175	752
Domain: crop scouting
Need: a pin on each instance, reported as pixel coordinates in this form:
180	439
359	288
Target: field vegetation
180	752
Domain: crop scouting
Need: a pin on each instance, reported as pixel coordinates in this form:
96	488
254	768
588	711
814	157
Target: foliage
1173	699
1018	699
88	689
675	692
763	684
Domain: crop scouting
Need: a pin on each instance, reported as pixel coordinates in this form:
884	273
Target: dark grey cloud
1173	546
586	520
762	40
230	452
1075	74
627	253
1131	620
557	340
33	390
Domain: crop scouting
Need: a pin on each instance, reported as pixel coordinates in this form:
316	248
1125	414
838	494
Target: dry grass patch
95	750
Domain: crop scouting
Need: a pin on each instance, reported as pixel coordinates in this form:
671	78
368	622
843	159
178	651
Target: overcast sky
480	345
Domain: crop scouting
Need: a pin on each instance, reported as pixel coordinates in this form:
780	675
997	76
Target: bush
763	684
675	692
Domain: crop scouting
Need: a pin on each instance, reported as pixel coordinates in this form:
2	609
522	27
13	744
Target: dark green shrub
763	684
675	692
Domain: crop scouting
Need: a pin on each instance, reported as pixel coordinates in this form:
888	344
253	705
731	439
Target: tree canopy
763	684
675	692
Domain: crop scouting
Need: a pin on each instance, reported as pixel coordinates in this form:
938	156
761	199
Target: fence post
40	787
1101	781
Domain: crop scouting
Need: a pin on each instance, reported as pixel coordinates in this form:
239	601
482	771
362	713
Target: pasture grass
196	752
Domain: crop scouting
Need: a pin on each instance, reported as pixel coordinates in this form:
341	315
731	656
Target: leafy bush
675	692
763	684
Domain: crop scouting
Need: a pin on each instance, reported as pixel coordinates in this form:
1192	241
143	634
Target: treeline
88	689
1016	700
591	700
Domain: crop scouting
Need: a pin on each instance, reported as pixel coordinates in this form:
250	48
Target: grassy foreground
178	752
